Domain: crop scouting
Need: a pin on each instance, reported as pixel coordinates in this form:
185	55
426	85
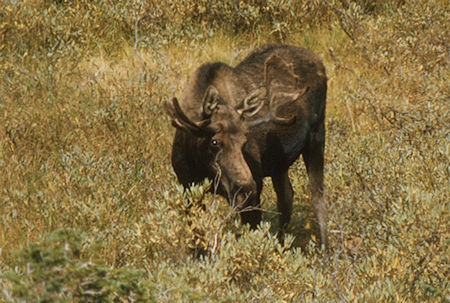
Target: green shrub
62	267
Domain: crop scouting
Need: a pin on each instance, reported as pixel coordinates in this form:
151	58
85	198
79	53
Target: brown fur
244	123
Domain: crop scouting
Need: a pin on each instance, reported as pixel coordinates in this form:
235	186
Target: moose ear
169	108
210	100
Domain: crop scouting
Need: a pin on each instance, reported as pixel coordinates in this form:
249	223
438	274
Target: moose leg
283	189
313	155
251	213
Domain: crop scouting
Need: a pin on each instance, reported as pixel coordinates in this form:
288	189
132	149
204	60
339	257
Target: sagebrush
90	207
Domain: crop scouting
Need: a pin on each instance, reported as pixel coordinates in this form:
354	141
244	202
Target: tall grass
90	209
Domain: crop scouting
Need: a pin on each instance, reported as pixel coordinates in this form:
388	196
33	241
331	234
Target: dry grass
85	144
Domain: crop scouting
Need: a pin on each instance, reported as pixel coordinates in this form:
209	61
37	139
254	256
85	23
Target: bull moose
237	125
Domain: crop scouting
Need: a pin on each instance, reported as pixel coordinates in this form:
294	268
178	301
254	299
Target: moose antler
180	120
281	82
253	103
254	106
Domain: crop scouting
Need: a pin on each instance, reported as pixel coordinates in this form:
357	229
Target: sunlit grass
85	146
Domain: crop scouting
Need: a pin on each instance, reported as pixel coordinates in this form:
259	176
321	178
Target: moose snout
242	192
243	180
248	186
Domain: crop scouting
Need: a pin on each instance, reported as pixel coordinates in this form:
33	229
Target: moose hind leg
283	189
313	156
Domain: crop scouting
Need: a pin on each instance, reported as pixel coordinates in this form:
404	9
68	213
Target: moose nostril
242	193
246	186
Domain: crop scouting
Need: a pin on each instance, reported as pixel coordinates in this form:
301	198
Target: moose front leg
313	156
283	189
250	211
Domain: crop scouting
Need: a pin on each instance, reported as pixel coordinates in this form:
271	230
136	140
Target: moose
237	125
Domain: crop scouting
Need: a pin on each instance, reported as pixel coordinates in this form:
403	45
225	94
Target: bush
84	147
61	267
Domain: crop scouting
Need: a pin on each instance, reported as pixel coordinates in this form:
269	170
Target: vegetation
90	209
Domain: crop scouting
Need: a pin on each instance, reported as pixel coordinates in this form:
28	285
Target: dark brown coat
241	124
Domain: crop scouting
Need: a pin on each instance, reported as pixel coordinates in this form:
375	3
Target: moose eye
215	145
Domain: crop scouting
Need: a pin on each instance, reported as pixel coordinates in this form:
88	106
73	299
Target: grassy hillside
90	209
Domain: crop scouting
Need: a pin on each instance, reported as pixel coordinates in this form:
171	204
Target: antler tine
287	120
169	107
253	103
195	126
273	117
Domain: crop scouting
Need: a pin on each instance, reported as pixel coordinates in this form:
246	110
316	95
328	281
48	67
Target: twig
214	248
366	188
94	77
217	178
27	73
137	40
252	208
341	17
11	137
236	55
166	59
